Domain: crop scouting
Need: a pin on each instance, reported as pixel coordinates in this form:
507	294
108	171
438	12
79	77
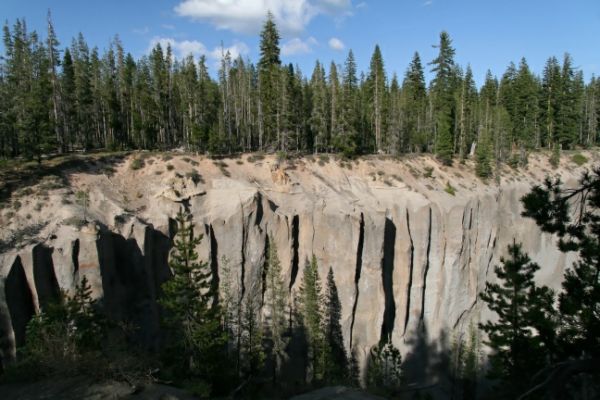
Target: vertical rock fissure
44	276
387	276
264	271
463	236
75	259
243	257
214	263
410	271
426	270
295	246
359	253
19	300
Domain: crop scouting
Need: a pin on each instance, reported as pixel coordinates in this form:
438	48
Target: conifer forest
57	97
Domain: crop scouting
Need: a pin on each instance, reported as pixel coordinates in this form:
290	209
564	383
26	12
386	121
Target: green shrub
137	163
384	369
555	157
170	167
195	177
579	159
282	156
428	172
450	189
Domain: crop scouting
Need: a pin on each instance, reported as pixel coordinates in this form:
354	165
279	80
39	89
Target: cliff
411	243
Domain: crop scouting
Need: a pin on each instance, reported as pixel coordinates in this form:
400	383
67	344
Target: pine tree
568	116
414	94
319	116
194	335
275	302
268	67
522	308
54	61
395	140
376	86
483	156
336	360
549	102
525	122
443	99
312	316
251	346
384	369
346	141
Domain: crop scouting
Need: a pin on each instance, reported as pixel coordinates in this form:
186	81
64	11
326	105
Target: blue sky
485	33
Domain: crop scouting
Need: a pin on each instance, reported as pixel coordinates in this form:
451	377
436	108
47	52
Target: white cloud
183	48
168	26
141	31
336	44
235	50
247	16
360	5
427	3
298	46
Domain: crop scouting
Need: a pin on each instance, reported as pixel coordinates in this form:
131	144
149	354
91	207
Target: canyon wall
409	258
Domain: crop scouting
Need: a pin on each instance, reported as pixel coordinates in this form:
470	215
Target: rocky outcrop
409	259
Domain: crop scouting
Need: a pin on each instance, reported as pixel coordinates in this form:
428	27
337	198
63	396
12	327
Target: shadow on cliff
31	173
131	280
429	370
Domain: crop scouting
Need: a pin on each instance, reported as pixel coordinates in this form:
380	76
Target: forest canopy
56	98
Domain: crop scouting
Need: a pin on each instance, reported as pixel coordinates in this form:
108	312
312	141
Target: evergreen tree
268	67
276	300
194	335
251	346
336	366
414	93
312	316
519	343
550	98
395	139
568	116
443	99
67	333
376	86
384	369
319	116
335	106
346	141
571	214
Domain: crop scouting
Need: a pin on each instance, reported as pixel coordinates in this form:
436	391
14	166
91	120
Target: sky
487	34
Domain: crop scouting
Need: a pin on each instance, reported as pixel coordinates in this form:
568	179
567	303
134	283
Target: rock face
409	258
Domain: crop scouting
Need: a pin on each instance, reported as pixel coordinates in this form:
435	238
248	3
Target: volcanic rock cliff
411	243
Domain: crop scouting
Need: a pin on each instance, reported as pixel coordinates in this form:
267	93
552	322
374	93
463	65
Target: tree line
55	100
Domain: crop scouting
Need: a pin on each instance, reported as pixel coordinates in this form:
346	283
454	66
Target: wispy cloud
336	44
427	3
235	50
183	48
141	31
168	26
298	46
247	16
362	4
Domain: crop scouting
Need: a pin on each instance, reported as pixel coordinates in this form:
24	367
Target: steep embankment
409	257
